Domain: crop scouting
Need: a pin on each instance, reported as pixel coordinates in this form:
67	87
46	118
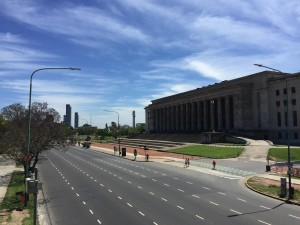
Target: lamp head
260	65
72	68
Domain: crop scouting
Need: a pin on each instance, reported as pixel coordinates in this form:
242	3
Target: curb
262	193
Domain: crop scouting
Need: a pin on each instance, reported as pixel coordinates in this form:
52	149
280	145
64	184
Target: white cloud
81	24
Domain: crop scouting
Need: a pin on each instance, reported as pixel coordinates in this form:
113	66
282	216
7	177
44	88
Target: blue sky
135	51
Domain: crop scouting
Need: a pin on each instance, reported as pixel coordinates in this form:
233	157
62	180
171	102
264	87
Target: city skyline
131	52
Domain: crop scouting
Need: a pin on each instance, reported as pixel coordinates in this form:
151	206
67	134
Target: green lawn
282	154
11	201
209	151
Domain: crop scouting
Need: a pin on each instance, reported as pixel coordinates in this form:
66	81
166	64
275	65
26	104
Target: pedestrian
135	153
214	164
185	163
188	162
147	157
119	152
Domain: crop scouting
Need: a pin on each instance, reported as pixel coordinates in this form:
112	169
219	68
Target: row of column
206	115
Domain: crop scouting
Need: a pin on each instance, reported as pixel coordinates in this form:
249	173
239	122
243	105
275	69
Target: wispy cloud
81	24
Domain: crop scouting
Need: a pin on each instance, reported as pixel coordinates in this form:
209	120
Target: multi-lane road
83	186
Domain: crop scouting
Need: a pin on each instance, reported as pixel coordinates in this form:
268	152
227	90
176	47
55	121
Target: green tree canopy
46	131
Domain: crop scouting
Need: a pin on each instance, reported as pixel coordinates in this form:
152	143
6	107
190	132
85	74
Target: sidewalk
176	160
5	173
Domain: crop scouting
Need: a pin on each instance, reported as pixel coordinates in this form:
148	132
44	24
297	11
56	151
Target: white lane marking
200	217
189	182
175	178
235	211
264	222
143	176
180	207
241	199
213	203
141	213
196	196
77	194
99	221
155	223
180	190
264	207
102	185
206	188
221	193
109	190
91	212
294	216
163	174
140	187
120	178
129	204
166	185
129	182
119	197
151	193
153	179
164	199
72	188
84	202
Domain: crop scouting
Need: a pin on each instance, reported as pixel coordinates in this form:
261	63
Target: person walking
214	164
185	163
188	162
135	153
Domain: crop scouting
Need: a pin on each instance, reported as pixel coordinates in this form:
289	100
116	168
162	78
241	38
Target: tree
46	131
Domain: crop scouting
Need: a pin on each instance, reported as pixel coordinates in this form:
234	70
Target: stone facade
253	105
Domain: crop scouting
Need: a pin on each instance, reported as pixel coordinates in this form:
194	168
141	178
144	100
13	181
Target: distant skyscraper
76	120
68	114
133	119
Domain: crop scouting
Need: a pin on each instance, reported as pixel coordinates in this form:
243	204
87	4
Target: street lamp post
118	125
29	112
287	123
27	157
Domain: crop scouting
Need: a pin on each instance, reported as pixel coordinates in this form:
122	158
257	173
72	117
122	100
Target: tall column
220	113
176	117
193	114
187	117
205	115
227	112
182	118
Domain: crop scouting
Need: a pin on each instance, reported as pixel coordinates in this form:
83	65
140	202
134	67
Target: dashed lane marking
296	217
242	200
235	211
213	203
180	207
264	207
264	222
200	217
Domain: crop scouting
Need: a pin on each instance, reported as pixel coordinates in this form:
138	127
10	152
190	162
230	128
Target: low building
255	105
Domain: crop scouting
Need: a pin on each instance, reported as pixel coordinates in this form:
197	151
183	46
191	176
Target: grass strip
282	153
270	189
207	151
12	201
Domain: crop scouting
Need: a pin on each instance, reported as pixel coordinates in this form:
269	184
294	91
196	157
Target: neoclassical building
254	105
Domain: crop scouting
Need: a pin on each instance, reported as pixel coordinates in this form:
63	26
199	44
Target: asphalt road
83	186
